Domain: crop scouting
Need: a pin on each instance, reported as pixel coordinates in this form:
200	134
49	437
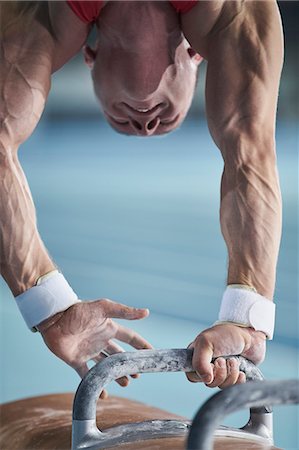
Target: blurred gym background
136	220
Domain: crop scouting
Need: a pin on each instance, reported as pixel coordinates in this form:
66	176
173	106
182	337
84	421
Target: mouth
143	110
164	124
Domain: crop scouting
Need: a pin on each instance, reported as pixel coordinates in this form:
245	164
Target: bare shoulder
211	21
26	55
48	29
24	32
69	31
26	43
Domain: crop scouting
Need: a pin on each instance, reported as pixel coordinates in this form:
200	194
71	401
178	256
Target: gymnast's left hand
224	340
86	332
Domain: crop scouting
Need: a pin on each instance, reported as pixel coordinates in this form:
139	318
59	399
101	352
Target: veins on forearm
17	217
251	225
23	256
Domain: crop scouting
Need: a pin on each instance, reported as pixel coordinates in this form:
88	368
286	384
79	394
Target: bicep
24	82
22	100
68	44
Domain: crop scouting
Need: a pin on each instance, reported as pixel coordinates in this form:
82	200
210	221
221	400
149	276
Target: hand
225	340
85	330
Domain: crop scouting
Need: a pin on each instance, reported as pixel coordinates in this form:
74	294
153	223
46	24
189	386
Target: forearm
250	216
23	257
244	65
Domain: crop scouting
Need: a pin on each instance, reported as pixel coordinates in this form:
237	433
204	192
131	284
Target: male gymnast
144	67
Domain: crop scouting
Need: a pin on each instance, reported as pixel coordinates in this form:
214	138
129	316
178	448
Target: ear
196	58
89	55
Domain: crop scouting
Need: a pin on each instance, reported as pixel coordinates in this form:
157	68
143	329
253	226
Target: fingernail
206	378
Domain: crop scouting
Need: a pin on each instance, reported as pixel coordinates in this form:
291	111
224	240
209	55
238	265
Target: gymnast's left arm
244	50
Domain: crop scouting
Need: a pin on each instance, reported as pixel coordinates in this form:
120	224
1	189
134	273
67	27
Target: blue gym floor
136	220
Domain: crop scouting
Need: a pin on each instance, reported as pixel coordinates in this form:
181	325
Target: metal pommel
121	364
238	397
85	433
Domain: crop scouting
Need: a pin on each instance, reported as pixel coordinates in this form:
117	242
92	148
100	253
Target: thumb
201	361
119	311
82	370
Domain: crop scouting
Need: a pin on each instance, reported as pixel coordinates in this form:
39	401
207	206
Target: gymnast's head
143	69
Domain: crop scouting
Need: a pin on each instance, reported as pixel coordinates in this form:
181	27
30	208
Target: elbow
7	155
251	148
250	159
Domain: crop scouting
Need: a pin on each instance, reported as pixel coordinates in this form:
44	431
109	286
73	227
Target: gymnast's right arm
25	71
34	42
74	331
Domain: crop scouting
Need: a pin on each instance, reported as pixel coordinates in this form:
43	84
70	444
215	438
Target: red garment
88	11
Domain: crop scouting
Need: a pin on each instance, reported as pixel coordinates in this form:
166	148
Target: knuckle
125	311
112	326
132	338
203	341
203	338
105	301
233	365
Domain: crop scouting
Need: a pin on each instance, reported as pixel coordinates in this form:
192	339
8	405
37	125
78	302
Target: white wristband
248	308
50	296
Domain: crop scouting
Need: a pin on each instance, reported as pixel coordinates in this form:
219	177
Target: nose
144	126
143	118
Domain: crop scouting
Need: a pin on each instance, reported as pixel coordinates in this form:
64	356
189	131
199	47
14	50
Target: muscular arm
35	40
26	62
242	42
244	53
28	55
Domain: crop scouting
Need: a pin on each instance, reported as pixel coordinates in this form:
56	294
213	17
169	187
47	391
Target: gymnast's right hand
86	331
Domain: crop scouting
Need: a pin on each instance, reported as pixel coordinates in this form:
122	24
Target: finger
232	373
132	338
123	381
119	311
193	377
220	373
82	370
112	348
104	394
241	378
202	357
